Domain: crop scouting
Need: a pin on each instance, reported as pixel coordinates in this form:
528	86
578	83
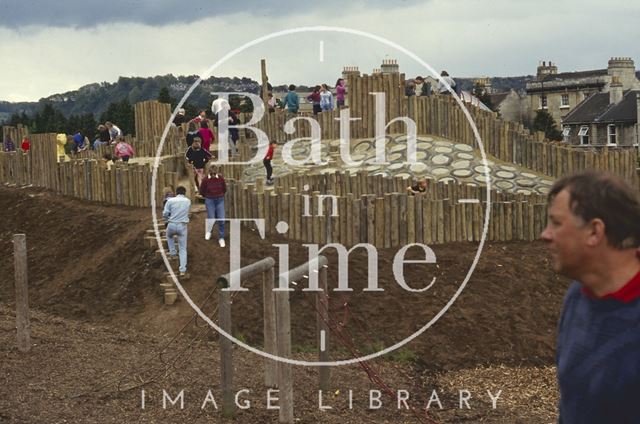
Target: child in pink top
123	150
206	135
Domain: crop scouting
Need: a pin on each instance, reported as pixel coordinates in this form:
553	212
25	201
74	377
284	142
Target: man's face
566	236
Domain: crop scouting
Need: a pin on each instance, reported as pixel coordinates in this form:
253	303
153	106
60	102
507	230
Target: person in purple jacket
213	188
341	90
593	234
9	145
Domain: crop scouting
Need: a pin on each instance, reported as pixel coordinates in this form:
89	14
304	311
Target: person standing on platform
326	98
291	102
267	161
422	88
442	88
341	90
26	144
9	145
314	98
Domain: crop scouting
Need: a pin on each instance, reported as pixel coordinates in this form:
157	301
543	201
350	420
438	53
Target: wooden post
270	337
285	383
322	304
226	358
265	88
22	292
411	219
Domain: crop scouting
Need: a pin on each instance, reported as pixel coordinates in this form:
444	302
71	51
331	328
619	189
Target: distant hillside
95	98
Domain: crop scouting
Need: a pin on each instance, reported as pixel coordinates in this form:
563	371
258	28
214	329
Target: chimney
389	66
545	69
615	90
638	118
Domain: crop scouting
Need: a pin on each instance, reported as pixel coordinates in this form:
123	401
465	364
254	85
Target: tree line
50	119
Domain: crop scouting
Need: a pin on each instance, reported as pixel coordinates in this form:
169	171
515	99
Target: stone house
560	93
509	105
605	119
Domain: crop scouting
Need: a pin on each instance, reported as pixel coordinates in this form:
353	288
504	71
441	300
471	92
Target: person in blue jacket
593	234
291	101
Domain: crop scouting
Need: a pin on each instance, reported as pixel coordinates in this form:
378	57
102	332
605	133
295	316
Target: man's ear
595	232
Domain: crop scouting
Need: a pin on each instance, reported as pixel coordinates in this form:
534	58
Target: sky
49	47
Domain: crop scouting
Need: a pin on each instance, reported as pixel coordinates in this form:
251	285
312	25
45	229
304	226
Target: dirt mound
89	263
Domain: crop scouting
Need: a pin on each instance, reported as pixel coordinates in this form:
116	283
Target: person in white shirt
114	131
326	98
176	213
442	89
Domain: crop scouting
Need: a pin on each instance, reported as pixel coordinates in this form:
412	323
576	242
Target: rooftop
596	108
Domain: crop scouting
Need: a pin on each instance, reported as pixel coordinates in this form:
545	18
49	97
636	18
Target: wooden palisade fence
389	218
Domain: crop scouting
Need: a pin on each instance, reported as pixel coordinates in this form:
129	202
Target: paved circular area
437	159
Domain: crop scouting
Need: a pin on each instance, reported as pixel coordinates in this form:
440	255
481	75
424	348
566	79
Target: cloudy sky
50	46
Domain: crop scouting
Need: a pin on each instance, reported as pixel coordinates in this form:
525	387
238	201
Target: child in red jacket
267	161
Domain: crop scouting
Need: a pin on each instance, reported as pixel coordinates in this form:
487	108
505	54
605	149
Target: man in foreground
593	232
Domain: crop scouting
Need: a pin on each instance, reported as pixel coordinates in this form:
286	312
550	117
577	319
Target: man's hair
607	197
292	87
181	190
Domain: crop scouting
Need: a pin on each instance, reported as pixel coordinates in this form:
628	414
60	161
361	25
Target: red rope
347	342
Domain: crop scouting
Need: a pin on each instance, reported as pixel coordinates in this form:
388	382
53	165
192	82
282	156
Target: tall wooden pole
270	337
265	79
22	292
285	383
322	305
226	359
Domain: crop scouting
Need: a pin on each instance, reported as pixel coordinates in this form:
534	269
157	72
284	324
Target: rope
347	342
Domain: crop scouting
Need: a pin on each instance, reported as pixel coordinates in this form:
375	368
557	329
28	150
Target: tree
86	123
165	97
481	93
21	118
122	115
545	122
49	119
135	95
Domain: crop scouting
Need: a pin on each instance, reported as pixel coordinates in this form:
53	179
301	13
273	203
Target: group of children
10	146
320	98
108	135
